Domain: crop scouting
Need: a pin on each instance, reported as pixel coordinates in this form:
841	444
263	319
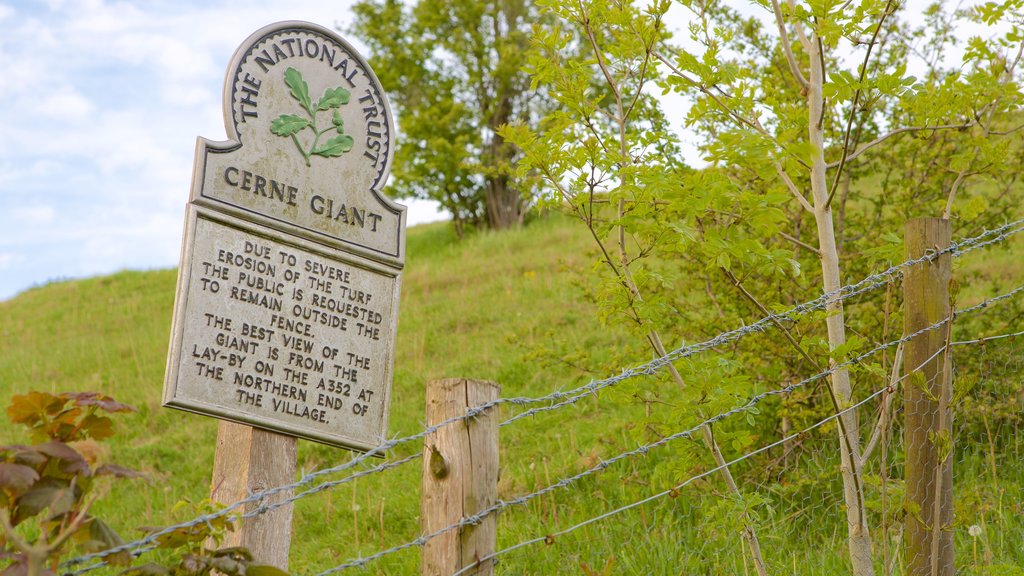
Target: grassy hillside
477	308
503	307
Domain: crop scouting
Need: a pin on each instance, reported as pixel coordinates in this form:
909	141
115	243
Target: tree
454	72
794	133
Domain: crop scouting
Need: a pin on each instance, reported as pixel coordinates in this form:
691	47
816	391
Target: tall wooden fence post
251	460
460	477
928	534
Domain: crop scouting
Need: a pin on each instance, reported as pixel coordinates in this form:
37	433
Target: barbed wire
550	537
877	280
671	492
558	399
986	339
646	448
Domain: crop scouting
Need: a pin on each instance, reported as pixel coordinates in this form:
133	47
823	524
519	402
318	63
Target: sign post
287	299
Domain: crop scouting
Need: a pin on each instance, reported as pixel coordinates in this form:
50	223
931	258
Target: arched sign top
310	141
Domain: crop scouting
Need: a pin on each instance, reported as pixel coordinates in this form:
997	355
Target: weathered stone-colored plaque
287	300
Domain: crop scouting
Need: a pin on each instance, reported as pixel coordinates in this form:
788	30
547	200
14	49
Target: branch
856	100
796	345
800	243
600	61
752	124
883	417
80	518
899	131
725	108
1006	132
786	48
800	30
12	536
648	50
792	187
961	176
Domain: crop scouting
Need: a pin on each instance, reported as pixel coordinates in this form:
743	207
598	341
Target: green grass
480	308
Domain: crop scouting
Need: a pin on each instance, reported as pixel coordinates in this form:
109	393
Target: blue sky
101	102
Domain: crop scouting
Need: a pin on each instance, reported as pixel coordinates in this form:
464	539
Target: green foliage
453	71
818	145
188	552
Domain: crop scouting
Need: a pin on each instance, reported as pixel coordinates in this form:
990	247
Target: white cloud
8	259
36	214
103	101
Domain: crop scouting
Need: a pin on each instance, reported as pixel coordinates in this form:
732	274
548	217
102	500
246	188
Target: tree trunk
503	200
504	207
842	393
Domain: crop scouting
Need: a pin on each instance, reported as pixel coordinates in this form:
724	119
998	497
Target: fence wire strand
548	538
559	399
644	449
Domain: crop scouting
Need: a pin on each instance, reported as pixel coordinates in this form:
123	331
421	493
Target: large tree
454	73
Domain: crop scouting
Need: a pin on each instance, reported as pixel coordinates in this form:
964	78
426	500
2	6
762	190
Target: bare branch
800	30
785	332
8	530
792	187
883	416
961	176
856	100
899	131
786	48
1006	132
800	243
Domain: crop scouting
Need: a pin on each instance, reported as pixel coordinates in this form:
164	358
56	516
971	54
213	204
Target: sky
101	102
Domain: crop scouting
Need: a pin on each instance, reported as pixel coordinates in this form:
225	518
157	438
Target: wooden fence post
250	460
460	477
928	430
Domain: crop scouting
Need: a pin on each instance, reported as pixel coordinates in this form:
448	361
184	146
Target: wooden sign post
287	300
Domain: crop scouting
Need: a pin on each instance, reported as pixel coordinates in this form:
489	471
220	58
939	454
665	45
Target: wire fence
257	503
643	450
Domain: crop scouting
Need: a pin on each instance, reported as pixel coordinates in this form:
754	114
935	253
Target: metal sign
287	302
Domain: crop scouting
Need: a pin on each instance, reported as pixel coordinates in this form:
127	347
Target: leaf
237	552
300	90
288	124
98	427
17	478
49	493
335	146
101	537
227	565
193	564
74	463
32	407
333	98
26	455
101	401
